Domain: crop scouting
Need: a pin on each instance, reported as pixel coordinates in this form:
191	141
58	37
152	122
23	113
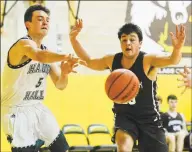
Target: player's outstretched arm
95	64
29	48
178	41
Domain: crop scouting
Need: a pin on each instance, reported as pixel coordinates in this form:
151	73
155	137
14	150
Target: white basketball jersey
24	84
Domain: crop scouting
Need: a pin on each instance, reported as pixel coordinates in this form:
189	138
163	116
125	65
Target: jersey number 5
39	82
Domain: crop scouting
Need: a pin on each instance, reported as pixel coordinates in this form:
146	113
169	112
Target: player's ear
140	43
27	24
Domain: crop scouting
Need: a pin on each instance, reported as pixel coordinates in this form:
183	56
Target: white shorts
28	124
182	132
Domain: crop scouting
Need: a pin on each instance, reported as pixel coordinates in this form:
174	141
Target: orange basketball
122	85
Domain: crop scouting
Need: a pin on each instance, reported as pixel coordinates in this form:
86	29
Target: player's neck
128	62
36	38
172	110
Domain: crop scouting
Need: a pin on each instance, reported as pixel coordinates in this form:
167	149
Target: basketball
122	86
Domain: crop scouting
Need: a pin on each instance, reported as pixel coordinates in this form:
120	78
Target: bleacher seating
100	138
76	138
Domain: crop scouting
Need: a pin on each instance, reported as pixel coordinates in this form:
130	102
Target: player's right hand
76	29
178	39
75	60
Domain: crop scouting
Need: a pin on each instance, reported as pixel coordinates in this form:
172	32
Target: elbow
61	86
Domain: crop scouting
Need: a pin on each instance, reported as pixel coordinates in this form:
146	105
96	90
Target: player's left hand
186	79
74	60
178	39
69	65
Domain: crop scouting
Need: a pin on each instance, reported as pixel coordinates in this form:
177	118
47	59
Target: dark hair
172	97
159	98
31	9
130	28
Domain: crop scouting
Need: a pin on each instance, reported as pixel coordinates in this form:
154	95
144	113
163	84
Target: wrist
65	57
64	74
178	48
73	39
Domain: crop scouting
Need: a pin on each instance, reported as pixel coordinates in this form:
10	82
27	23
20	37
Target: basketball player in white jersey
25	119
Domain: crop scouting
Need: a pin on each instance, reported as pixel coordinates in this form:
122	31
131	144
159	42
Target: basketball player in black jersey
139	119
174	125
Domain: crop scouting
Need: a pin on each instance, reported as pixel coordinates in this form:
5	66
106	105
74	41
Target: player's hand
186	79
76	29
178	39
74	60
69	65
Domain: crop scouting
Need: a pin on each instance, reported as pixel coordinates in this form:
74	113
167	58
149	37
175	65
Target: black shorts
150	136
59	144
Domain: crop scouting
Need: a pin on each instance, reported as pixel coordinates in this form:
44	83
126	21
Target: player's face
130	44
39	24
172	104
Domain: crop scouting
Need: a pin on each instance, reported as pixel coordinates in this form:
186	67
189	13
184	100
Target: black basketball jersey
172	124
144	106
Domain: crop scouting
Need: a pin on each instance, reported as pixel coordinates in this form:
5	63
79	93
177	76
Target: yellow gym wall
84	100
